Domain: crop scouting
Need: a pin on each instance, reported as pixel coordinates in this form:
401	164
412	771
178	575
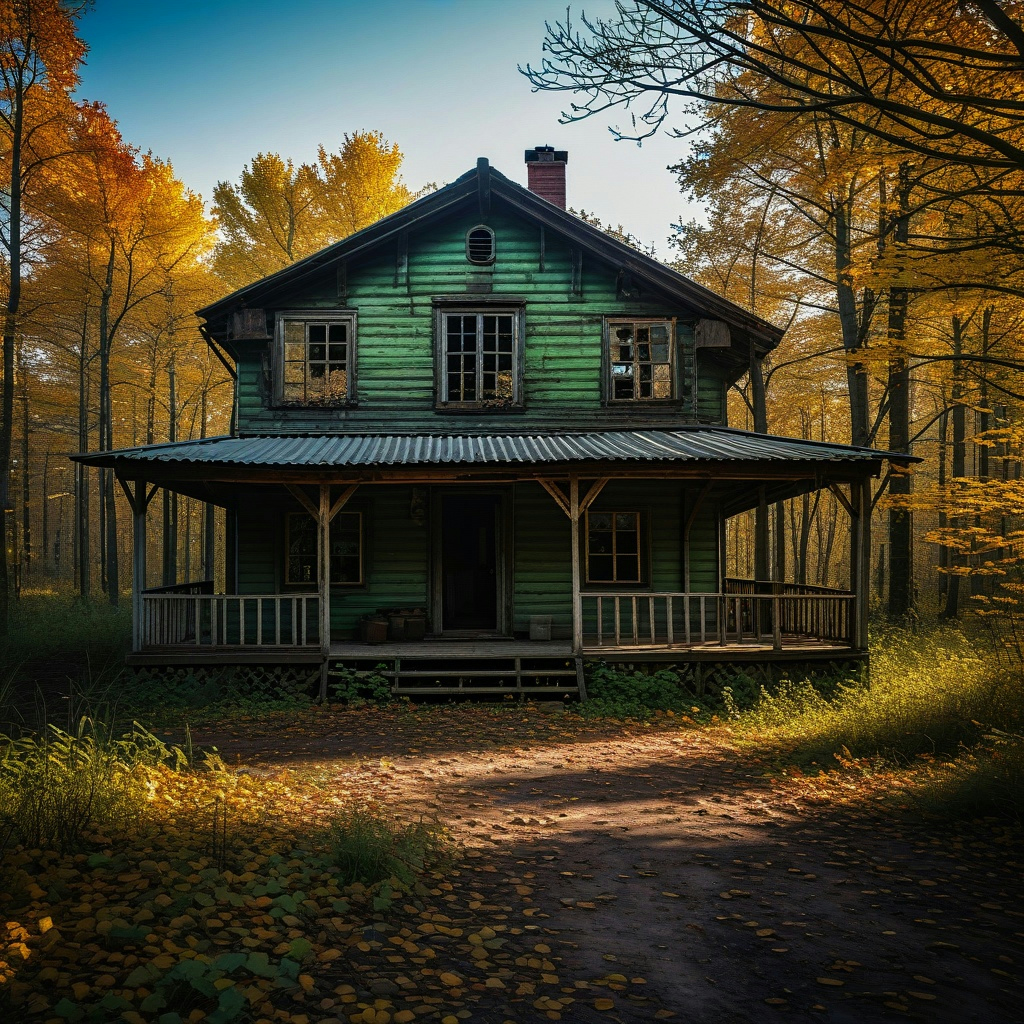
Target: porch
750	618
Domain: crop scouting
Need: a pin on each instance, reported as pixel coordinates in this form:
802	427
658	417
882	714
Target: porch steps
484	676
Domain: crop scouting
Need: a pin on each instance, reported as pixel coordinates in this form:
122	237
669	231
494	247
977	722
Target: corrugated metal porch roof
326	451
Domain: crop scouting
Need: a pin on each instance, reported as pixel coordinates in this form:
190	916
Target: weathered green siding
543	566
562	376
397	548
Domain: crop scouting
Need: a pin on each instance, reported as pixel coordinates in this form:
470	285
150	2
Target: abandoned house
479	442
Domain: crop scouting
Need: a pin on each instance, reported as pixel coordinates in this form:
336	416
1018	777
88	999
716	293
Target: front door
469	562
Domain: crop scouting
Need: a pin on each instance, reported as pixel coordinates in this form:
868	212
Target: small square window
346	554
613	547
316	359
640	360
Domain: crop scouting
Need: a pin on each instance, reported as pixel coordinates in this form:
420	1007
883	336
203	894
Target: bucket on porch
396	627
373	629
540	627
416	625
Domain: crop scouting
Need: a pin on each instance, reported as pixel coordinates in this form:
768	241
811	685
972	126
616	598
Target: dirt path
668	875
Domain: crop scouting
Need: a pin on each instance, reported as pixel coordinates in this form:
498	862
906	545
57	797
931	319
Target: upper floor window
480	245
479	358
640	360
317	357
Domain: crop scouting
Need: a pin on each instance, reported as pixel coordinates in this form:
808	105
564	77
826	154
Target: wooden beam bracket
303	499
842	498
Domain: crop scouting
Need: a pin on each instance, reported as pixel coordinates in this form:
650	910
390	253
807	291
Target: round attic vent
480	245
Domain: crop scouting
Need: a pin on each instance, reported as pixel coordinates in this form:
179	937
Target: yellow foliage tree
278	213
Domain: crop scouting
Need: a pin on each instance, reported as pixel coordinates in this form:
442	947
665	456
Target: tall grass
56	786
933	694
46	626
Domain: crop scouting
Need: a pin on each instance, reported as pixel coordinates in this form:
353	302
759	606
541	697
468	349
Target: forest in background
887	245
106	257
861	167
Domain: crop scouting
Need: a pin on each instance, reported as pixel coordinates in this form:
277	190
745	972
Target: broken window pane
640	361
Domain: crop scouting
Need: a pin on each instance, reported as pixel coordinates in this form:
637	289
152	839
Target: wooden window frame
478	405
314	582
607	376
307	317
642	555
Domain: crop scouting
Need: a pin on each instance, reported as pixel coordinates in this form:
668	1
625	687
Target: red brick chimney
545	173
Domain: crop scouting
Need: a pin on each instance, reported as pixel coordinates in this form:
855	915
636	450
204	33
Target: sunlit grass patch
56	786
936	703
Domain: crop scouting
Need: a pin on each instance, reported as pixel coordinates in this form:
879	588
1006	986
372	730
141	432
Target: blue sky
207	85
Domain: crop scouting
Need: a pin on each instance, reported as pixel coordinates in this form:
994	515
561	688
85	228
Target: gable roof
481	185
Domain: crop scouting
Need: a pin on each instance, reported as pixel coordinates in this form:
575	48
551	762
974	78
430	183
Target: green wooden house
479	442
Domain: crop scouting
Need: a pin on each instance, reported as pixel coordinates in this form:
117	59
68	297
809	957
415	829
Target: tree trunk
82	524
26	480
943	518
952	606
901	540
109	505
849	322
14	192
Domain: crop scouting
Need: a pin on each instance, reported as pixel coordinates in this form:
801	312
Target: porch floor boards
711	650
496	647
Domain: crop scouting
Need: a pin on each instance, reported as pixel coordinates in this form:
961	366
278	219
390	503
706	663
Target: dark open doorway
469	562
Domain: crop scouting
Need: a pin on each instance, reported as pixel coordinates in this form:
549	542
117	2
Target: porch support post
577	598
574	507
138	501
723	539
138	561
325	513
324	581
860	560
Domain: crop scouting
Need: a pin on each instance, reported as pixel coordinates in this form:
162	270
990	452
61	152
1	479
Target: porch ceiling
715	452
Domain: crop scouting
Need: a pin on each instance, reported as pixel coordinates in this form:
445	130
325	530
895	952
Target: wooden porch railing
735	585
205	620
616	619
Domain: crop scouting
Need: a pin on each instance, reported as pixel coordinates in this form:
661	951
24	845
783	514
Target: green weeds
56	786
368	846
618	693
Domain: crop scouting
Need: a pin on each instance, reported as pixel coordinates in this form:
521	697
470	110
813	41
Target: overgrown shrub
56	785
164	693
358	688
368	846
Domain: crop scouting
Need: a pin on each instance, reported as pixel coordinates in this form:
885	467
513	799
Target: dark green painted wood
397	548
563	339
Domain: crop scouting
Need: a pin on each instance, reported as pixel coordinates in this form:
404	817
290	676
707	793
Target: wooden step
453	676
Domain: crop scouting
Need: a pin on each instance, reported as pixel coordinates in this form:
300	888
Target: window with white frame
479	358
640	360
613	547
317	357
346	549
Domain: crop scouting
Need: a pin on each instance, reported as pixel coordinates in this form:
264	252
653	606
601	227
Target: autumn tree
278	213
39	58
128	228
